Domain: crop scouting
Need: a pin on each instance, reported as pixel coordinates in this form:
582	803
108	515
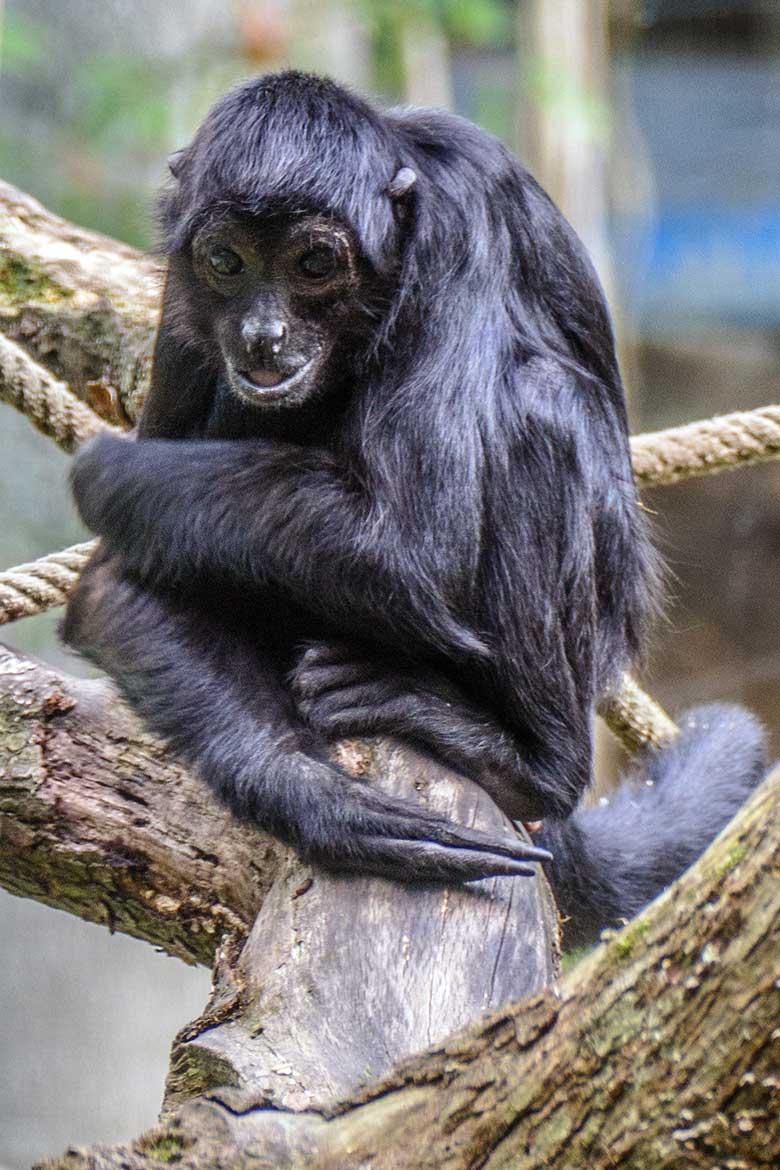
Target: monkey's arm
168	413
209	690
250	511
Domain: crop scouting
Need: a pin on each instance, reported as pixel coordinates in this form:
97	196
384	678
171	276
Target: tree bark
342	976
81	304
97	820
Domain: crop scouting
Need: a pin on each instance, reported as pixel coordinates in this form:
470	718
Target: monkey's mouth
263	379
266	384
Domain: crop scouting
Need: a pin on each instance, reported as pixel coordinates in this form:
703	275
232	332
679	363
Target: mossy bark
81	304
97	820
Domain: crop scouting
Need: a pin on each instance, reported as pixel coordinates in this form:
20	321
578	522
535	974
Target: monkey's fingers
458	837
430	861
405	843
359	828
378	815
327	666
341	714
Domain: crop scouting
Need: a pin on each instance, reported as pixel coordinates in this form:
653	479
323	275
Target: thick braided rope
659	457
707	446
50	405
30	589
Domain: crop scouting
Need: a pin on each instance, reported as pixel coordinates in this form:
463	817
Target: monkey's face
277	298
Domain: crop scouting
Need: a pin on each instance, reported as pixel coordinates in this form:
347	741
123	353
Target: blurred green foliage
480	22
69	152
477	23
93	146
22	43
551	88
121	100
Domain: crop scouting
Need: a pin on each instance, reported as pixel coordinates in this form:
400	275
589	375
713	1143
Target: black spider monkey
382	484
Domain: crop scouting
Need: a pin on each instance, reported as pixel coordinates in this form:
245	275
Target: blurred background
655	124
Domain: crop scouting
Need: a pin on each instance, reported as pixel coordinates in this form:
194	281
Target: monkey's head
401	259
278	267
273	295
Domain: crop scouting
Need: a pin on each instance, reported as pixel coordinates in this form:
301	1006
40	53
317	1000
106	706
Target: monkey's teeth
265	378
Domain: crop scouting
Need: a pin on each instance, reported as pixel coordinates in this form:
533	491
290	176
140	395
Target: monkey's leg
609	860
205	687
341	691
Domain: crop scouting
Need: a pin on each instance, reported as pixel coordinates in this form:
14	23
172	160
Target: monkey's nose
268	336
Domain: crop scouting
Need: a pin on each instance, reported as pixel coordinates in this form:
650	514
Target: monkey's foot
377	834
340	692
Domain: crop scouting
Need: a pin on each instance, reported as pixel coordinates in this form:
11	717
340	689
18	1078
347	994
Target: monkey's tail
611	859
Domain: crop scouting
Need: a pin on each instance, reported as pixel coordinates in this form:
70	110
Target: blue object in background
698	266
706	251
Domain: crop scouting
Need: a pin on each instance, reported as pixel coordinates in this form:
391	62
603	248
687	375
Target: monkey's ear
176	162
401	183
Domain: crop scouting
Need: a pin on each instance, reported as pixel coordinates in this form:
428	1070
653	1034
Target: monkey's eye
318	263
225	262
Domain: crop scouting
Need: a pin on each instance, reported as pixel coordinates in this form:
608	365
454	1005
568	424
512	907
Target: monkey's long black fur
450	491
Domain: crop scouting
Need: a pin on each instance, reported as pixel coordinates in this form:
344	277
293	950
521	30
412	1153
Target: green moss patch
21	281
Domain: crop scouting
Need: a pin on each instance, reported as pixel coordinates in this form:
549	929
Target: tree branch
96	819
81	304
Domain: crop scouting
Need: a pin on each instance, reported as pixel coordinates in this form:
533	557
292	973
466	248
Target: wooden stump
342	977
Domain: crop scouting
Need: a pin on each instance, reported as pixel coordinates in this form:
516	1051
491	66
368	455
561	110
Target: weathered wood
81	304
96	819
341	977
661	1051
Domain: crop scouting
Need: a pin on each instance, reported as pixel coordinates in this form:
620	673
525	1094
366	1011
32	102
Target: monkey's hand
342	690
